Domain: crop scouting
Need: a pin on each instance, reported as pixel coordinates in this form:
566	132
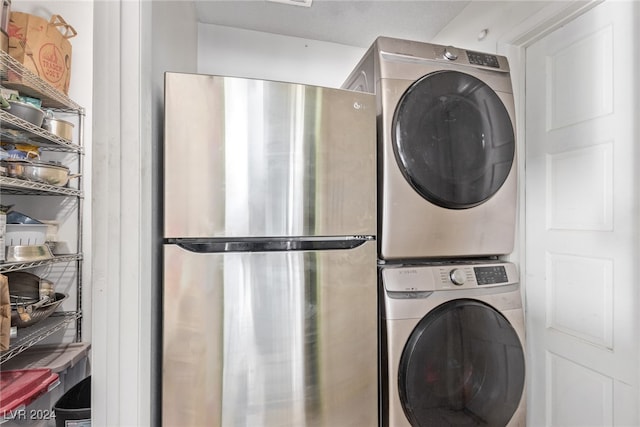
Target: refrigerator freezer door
251	158
270	338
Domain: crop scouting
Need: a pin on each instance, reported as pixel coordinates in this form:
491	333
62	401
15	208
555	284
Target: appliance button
457	277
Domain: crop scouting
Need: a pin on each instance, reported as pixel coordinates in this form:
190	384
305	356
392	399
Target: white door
582	220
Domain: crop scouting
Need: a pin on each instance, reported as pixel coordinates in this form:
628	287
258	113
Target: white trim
548	19
121	264
105	302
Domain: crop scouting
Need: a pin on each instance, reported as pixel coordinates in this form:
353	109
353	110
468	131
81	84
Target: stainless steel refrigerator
269	276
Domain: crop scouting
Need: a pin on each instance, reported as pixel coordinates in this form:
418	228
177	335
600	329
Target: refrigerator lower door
270	338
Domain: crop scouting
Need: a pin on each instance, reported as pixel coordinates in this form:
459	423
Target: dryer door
462	365
453	139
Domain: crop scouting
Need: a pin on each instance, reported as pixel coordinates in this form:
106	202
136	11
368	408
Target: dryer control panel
440	277
483	59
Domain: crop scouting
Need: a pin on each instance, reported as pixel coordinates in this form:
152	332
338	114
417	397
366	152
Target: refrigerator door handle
269	244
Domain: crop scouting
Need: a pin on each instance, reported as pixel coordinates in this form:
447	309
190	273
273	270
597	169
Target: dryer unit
452	346
446	149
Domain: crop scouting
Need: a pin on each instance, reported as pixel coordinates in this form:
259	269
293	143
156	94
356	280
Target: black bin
75	405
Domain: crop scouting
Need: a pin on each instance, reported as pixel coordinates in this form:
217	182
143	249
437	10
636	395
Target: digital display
483	59
490	275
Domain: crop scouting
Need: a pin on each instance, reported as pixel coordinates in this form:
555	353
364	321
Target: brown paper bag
43	47
5	313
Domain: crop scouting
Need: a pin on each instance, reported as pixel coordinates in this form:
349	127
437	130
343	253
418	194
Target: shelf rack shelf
21	187
23	265
32	335
17	131
14	75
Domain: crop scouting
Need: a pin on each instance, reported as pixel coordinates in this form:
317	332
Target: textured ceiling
349	22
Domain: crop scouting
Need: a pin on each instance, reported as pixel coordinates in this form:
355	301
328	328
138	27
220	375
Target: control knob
451	53
457	277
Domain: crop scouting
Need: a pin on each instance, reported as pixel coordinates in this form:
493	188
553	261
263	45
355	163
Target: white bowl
25	234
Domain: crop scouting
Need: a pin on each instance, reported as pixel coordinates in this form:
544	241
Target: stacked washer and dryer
451	317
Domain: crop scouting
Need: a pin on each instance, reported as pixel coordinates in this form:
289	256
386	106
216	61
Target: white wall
78	14
242	53
499	18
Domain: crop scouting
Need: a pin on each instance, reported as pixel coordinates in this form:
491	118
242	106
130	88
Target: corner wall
242	53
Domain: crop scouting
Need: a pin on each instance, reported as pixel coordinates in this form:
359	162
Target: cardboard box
5	313
43	47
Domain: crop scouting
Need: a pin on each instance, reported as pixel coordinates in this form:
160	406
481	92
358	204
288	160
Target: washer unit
446	143
452	345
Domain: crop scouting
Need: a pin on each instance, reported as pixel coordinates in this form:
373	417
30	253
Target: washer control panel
492	275
448	276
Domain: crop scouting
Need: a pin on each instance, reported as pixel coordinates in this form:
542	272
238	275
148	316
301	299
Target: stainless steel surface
15	168
26	111
457	277
451	53
421	229
24	284
257	158
270	338
438	277
259	176
37	171
4	41
38	312
409	225
388	52
28	253
59	127
410	293
3	230
5	15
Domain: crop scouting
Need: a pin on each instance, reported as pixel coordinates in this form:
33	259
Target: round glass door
453	139
463	365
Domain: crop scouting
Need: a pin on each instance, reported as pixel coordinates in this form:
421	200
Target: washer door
453	139
463	365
